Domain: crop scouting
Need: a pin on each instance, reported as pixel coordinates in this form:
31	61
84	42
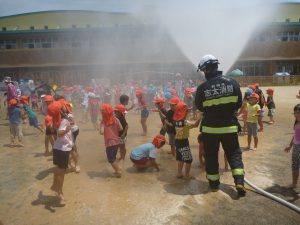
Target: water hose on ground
273	197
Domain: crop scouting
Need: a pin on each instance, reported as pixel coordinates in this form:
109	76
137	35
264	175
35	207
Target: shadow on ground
50	202
290	194
44	173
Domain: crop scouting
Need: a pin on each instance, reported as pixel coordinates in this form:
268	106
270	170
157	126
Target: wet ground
95	197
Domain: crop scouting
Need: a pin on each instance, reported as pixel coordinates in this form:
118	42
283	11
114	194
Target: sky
11	7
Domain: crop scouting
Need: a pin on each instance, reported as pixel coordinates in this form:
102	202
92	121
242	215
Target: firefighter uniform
219	98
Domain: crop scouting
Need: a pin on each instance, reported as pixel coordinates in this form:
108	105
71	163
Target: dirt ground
95	197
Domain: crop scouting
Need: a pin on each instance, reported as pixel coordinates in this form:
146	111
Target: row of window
280	36
260	68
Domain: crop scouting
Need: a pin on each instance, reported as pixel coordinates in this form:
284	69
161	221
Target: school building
275	47
72	47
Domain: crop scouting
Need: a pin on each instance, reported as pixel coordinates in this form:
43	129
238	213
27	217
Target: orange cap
12	102
173	91
48	98
180	111
54	110
107	114
159	141
159	101
174	100
252	87
270	91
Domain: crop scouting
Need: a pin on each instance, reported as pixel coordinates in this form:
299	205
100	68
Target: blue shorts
111	153
144	113
33	122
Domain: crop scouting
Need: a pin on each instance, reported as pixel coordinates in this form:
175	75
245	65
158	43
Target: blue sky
10	7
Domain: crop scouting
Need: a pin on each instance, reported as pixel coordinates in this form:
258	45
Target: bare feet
179	176
189	177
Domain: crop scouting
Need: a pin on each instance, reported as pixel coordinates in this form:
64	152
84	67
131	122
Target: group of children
61	131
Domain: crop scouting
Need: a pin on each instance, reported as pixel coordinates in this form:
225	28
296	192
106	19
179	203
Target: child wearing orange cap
109	128
62	146
49	132
14	114
33	121
159	103
144	156
170	125
183	152
120	115
253	112
270	105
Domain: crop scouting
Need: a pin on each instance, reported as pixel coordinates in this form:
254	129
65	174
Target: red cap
252	87
54	110
159	141
270	91
107	114
48	98
158	100
180	111
174	100
173	91
256	85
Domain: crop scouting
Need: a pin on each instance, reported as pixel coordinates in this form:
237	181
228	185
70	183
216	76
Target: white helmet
207	60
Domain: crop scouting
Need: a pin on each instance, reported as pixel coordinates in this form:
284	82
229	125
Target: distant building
275	47
69	47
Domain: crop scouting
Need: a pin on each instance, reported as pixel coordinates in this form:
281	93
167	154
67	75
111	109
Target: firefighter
219	98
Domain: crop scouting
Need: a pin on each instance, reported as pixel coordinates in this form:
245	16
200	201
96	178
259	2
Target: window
46	27
3	28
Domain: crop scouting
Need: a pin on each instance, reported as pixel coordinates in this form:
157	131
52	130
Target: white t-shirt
64	143
74	127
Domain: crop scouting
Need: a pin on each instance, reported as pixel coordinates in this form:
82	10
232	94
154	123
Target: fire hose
273	197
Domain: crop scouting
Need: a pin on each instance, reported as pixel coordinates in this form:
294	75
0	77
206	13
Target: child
183	152
14	113
169	124
94	109
159	103
270	105
120	114
110	127
67	111
124	99
253	112
50	132
144	111
144	155
201	151
61	148
243	109
33	121
295	143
